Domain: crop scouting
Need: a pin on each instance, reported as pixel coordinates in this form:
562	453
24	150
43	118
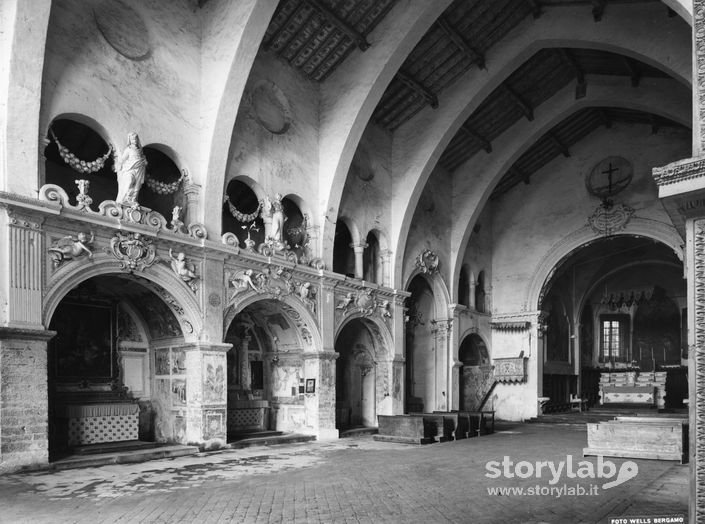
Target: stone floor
349	480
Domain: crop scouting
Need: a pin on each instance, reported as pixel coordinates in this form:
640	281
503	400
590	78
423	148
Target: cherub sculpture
345	302
384	309
242	280
183	269
69	248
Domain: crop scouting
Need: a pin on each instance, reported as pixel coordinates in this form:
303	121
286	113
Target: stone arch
520	138
168	151
179	297
379	329
84	119
564	248
441	296
302	204
245	22
352	227
642	38
298	314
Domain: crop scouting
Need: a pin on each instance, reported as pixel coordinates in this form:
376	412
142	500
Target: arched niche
360	377
241	212
266	375
162	189
295	225
419	358
80	150
118	356
475	372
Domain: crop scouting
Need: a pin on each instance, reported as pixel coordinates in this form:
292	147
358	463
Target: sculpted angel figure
243	280
69	248
182	268
131	168
343	304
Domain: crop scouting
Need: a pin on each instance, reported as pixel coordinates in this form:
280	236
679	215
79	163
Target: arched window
371	260
480	305
343	254
464	287
76	151
161	190
241	202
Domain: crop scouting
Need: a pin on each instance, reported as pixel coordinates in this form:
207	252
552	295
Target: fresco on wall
213	379
178	362
161	361
657	333
178	392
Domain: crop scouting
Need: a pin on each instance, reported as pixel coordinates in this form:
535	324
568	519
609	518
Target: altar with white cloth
94	423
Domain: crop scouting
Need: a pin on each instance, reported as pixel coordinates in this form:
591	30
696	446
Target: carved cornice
679	171
510	326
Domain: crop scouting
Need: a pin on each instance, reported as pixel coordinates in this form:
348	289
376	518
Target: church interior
306	216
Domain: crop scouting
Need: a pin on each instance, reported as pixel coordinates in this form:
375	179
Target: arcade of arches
224	217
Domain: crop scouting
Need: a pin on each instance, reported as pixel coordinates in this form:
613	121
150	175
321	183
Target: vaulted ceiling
316	36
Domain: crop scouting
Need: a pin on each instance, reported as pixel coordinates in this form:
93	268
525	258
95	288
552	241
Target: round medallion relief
272	108
609	176
214	299
123	28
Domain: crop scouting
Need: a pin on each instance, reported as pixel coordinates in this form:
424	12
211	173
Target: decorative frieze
519	325
510	370
679	171
365	302
699	359
275	284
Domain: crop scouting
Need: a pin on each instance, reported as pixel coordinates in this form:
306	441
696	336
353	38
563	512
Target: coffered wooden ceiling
315	36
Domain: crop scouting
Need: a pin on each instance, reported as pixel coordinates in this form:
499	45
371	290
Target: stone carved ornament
364	302
610	218
278	284
123	213
133	252
427	261
70	248
183	269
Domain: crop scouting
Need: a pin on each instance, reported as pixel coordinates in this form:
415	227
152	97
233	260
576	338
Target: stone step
357	432
123	456
270	440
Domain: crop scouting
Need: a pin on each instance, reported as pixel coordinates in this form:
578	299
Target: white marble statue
131	169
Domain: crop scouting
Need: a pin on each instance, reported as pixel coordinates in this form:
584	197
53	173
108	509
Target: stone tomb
659	438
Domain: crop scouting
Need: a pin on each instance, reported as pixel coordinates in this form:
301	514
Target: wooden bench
461	423
437	425
479	422
660	438
407	429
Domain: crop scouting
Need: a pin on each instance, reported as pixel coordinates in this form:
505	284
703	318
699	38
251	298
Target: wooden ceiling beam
598	9
535	8
270	42
560	145
341	24
486	144
604	118
633	69
416	86
473	54
519	102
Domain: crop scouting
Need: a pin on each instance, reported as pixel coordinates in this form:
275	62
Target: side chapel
299	215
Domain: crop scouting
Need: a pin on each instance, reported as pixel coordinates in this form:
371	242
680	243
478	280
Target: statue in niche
69	248
183	269
274	243
131	168
176	222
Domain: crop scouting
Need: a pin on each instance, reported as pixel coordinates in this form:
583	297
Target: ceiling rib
486	144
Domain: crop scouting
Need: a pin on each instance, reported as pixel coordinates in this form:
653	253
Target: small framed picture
310	385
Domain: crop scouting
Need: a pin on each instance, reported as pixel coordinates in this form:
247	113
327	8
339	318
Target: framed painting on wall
84	347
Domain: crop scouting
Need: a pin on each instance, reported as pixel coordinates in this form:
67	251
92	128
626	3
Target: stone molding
698	358
18	333
679	171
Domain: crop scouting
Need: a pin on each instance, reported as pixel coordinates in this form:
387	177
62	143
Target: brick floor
351	480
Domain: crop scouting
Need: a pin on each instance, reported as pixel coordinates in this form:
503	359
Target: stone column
24	398
245	375
441	330
359	250
192	192
386	277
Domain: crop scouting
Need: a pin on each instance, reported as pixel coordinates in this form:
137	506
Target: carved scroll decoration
606	220
133	252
